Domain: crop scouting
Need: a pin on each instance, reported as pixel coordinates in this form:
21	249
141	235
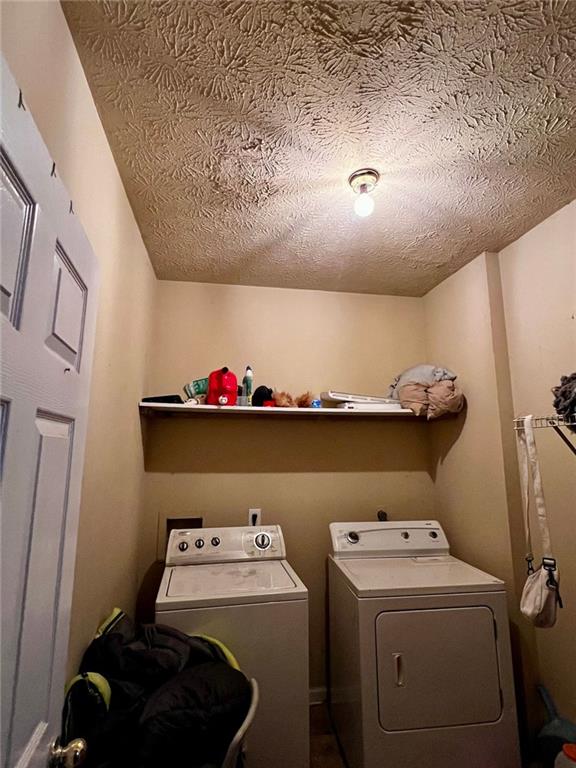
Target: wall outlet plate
254	517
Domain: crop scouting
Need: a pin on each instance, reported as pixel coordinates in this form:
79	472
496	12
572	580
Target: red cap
570	751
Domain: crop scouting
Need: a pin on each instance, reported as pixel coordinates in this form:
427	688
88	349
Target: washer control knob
262	541
215	541
199	543
433	535
405	535
352	537
183	546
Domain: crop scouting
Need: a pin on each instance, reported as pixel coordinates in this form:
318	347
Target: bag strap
530	469
529	466
525	480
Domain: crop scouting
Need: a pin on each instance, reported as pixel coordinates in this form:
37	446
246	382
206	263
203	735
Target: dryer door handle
399	669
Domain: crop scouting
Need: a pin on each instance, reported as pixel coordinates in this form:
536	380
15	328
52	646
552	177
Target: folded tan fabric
444	397
415	397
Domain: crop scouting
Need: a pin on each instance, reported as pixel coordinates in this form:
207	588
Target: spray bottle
247	384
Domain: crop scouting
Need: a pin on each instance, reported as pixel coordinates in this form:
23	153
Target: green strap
110	622
230	658
98	680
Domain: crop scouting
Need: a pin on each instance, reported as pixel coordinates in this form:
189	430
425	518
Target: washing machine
420	663
235	584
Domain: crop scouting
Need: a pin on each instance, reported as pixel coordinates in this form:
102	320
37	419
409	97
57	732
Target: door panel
36	653
37	633
69	305
47	323
437	668
4	416
16	223
17	494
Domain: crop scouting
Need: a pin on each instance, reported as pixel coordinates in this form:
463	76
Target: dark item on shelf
261	395
163	399
222	387
565	398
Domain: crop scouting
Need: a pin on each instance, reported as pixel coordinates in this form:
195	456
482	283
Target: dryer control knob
183	546
199	543
215	541
353	537
262	541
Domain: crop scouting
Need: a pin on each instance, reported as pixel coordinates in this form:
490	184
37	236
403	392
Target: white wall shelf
228	412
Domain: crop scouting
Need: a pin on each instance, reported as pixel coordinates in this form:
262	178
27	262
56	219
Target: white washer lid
187	586
391	576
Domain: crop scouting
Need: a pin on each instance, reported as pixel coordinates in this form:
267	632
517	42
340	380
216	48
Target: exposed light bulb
363	205
362	183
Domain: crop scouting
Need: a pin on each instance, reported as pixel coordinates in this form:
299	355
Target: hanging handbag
541	594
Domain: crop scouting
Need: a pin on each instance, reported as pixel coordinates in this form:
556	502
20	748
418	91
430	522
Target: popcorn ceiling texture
235	125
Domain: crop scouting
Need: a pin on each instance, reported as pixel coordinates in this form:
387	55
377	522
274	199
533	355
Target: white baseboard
317	695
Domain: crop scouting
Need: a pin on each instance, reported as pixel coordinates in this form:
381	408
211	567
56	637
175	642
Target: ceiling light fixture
363	182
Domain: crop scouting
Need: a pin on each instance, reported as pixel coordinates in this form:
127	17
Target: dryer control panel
398	538
225	545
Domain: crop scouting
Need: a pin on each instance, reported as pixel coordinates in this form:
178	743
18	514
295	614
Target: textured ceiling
235	125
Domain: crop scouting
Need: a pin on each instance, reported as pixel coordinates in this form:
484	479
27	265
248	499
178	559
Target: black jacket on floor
175	700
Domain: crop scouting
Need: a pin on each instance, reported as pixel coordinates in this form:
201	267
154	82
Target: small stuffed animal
283	399
305	400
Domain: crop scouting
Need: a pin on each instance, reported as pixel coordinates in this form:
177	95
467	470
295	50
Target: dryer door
437	668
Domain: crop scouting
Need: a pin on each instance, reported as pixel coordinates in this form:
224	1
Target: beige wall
506	324
304	474
474	462
41	55
539	289
467	453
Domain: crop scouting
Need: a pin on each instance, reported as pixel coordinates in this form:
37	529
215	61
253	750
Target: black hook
21	104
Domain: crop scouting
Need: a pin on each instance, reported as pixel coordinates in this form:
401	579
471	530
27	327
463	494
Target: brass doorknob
70	756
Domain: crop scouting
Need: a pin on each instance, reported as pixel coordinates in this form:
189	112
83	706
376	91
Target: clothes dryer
420	663
234	584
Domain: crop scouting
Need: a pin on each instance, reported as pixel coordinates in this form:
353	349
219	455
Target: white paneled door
48	306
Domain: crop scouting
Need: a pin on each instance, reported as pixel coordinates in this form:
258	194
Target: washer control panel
220	545
398	538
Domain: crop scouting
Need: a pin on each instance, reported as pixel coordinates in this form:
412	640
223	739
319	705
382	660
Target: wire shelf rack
551	421
547	421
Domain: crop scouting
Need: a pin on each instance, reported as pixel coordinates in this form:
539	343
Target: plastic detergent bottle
247	383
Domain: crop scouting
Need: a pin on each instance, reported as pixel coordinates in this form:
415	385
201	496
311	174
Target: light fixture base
364	180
